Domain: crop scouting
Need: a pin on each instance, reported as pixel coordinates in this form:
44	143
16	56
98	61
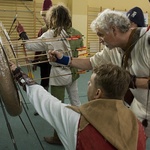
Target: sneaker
53	140
35	113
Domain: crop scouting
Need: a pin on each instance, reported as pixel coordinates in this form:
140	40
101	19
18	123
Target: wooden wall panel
92	39
28	14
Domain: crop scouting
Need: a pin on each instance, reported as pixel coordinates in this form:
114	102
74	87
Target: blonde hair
112	80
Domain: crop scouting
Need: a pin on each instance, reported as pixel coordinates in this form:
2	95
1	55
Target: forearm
21	77
61	118
30	46
44	103
35	45
81	63
142	83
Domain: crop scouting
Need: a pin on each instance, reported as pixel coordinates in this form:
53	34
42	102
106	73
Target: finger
54	52
52	58
11	63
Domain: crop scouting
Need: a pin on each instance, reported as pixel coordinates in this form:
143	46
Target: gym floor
26	132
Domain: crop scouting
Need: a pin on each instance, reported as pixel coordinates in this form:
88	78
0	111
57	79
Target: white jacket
60	74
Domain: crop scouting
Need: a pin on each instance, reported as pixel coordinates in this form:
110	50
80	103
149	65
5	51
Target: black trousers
45	69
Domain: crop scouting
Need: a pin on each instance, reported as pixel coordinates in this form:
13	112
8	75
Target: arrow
15	18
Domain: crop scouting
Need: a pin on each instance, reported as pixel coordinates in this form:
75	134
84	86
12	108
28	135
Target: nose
101	40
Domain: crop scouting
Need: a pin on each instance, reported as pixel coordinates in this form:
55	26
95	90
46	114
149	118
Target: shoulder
144	31
145	36
44	28
49	33
75	31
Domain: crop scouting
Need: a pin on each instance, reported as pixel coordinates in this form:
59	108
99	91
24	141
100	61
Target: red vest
90	139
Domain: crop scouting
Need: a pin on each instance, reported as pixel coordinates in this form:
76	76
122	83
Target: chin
110	47
89	99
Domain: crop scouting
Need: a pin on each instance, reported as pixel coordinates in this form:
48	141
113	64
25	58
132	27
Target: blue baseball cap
136	15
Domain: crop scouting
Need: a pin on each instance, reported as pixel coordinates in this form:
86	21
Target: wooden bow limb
26	57
6	39
11	97
82	48
40	55
33	63
21	42
8	126
79	72
84	54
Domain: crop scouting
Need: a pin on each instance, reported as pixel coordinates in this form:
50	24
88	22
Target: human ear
114	31
98	94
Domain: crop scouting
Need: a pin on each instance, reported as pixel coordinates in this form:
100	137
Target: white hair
110	18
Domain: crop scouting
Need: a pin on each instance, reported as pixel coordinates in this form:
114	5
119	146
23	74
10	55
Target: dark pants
45	69
128	97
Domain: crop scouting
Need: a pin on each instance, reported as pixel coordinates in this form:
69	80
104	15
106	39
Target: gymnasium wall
82	11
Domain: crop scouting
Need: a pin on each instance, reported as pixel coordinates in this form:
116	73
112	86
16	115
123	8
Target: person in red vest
102	123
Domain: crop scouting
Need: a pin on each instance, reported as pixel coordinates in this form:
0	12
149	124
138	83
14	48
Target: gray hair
110	18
